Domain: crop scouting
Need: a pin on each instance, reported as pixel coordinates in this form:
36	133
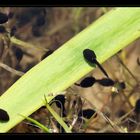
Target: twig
118	121
27	45
126	68
114	126
127	100
16	72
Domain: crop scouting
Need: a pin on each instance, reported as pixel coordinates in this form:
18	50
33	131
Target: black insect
40	21
47	54
3	18
60	103
90	56
60	98
36	27
90	81
137	107
13	31
122	85
118	86
18	53
106	82
87	113
87	82
2	29
23	18
4	116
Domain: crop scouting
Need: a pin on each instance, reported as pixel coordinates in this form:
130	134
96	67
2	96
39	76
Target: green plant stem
41	126
58	118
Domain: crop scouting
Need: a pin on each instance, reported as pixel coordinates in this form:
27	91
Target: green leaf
106	36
